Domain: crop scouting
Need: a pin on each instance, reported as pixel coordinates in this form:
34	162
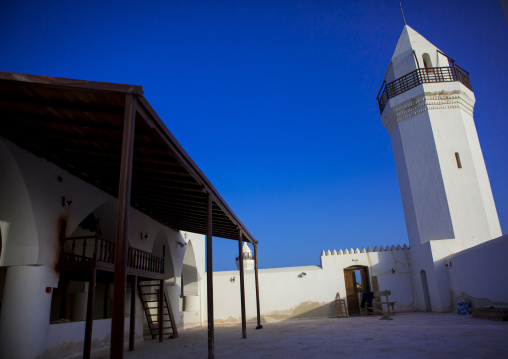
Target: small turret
248	258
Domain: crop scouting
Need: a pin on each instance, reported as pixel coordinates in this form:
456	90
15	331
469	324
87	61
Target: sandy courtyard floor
408	335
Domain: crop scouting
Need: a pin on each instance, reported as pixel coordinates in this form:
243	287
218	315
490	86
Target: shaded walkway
408	335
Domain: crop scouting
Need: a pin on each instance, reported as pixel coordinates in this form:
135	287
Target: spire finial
402	11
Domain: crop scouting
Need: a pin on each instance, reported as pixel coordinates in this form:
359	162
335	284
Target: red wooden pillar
242	284
259	326
209	275
122	229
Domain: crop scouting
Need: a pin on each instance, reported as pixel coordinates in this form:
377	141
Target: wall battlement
363	250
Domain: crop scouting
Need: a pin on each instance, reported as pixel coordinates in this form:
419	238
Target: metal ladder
149	294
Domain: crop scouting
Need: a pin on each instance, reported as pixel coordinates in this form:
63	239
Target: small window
457	158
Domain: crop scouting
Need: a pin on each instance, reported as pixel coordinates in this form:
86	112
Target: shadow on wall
189	272
304	310
160	248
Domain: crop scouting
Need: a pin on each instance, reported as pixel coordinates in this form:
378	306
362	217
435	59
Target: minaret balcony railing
245	256
418	77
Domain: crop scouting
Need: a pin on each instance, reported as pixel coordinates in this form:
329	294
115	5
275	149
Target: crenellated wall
309	291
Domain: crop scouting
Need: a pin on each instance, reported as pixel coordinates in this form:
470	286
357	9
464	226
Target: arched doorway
426	61
426	294
356	279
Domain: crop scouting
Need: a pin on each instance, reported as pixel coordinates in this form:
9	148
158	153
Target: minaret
426	104
248	258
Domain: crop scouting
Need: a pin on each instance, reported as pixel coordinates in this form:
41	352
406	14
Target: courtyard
408	335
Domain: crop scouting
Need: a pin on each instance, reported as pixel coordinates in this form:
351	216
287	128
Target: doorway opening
357	281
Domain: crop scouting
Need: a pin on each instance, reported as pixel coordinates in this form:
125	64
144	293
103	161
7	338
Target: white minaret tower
248	258
426	104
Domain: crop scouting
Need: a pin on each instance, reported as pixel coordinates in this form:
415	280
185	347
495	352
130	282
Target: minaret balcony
418	77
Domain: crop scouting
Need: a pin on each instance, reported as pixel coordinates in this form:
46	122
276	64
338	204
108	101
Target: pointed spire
408	54
363	250
246	250
346	251
340	252
334	253
402	11
322	253
328	252
369	249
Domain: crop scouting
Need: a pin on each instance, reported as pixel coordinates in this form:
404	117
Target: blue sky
275	100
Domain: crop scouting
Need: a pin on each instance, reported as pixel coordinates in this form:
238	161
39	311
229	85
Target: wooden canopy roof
78	125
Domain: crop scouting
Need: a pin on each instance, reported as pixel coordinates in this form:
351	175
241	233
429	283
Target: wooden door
352	299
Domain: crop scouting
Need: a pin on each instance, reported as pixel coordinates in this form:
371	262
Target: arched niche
19	231
107	215
161	248
75	292
189	272
190	284
426	61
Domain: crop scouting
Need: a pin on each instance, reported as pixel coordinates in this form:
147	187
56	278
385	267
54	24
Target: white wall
66	339
479	273
20	244
30	213
286	294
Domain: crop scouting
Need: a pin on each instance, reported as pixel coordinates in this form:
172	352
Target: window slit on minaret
457	157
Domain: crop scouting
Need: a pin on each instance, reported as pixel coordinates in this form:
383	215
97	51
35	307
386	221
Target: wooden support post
209	275
160	313
122	229
132	327
242	284
259	326
87	346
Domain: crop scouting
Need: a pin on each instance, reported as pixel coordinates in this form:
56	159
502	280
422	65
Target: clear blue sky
275	100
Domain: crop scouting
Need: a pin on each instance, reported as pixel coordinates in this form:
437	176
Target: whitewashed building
101	210
91	178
